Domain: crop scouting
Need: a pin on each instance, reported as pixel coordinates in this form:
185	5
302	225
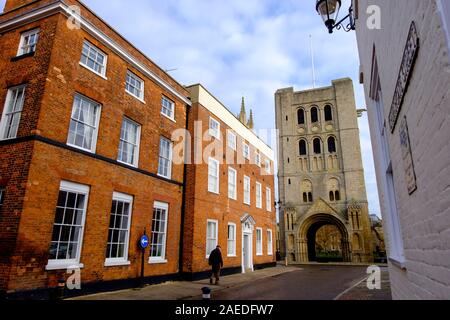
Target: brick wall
424	215
203	205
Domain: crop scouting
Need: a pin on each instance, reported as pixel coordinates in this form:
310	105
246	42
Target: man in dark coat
216	262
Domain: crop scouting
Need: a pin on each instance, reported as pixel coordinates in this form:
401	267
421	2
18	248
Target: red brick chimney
13	4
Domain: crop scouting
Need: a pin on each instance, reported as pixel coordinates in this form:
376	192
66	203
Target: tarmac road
308	283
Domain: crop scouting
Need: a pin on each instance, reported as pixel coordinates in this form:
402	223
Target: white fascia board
60	7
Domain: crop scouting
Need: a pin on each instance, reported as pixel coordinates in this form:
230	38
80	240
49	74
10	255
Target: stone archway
308	231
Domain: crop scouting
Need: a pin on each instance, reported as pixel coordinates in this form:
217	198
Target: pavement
302	282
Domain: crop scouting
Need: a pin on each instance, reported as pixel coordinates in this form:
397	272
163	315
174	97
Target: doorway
247	258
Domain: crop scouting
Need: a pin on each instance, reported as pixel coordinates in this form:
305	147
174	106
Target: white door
247	258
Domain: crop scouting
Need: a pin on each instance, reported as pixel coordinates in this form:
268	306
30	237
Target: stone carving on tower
321	176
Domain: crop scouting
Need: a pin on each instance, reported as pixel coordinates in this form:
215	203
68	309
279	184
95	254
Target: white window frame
24	47
138	79
268	166
246	150
232	140
3	122
97	124
172	108
258	195
444	9
215	133
170	159
247	191
216	222
98	52
268	199
217	191
231	242
162	259
396	250
137	145
269	242
232	182
258	159
2	195
259	244
123	261
61	264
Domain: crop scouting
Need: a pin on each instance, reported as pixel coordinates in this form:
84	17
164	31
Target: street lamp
329	11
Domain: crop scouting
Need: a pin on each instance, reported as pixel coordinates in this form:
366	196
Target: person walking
216	262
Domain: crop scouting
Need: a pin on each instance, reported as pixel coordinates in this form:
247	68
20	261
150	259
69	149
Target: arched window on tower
332	145
305	197
314	115
331	196
301	116
337	196
328	113
310	197
302	147
317	146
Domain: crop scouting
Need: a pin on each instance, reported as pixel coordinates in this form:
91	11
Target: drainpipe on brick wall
183	204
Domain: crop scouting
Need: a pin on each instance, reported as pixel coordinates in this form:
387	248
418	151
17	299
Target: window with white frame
93	59
2	196
231	240
12	112
232	140
258	195
168	108
259	241
159	232
246	151
269	243
28	42
232	183
386	175
84	123
134	85
267	166
213	175
269	199
68	226
214	128
211	236
258	159
246	190
119	229
165	158
129	142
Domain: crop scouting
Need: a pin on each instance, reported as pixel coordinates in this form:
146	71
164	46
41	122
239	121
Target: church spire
250	123
243	114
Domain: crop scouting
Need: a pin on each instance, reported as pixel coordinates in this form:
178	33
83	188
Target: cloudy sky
239	48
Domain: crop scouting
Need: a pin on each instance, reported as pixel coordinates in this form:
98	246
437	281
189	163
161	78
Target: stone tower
321	176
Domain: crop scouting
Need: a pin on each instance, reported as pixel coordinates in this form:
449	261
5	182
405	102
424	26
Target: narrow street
308	283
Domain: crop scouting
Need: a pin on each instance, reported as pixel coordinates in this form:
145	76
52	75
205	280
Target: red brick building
84	152
230	190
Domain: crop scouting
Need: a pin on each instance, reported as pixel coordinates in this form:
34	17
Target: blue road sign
144	242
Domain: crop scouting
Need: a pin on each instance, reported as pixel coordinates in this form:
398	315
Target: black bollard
206	293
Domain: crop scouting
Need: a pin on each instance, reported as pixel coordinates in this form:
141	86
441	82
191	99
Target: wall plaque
408	163
406	68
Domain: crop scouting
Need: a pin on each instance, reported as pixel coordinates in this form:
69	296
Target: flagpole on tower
312	63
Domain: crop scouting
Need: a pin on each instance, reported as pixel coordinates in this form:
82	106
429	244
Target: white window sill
214	192
116	263
6	139
136	97
93	71
157	261
80	148
128	164
63	265
232	256
166	116
259	255
234	199
168	177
